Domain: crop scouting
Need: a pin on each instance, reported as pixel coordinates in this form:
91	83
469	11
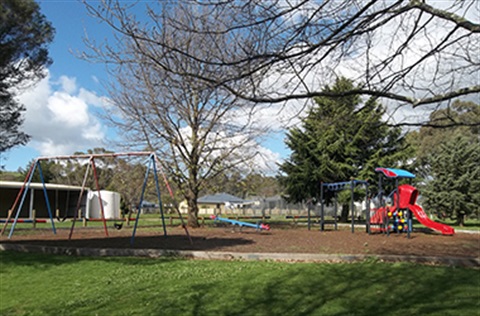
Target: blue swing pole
26	186
132	240
20	192
12	229
322	211
46	199
173	199
335	209
152	158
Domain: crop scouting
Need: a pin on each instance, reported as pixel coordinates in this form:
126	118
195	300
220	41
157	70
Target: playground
288	239
397	226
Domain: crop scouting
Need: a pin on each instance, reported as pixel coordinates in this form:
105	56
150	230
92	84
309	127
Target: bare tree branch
412	52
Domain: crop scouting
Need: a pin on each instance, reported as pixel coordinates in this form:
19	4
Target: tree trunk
344	214
461	219
192	220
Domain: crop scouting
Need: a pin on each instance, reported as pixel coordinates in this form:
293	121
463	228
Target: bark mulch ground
277	240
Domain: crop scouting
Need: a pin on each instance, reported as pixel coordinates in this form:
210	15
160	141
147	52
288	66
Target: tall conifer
338	139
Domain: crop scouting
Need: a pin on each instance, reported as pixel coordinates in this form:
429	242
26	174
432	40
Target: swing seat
61	219
118	226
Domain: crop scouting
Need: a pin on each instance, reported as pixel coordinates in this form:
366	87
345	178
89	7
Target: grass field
33	284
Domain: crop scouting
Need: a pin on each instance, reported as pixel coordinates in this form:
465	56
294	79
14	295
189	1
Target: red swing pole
99	196
79	201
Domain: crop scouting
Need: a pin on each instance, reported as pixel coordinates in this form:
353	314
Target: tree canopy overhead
416	53
24	36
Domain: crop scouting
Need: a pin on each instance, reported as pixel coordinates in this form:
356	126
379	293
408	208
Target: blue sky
62	110
67	74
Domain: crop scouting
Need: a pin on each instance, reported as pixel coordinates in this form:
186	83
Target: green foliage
339	139
49	172
455	187
447	158
10	122
461	117
60	285
11	176
24	36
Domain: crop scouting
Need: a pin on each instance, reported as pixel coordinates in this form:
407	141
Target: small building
63	200
219	203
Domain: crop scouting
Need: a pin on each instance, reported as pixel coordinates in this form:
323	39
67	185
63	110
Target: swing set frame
153	165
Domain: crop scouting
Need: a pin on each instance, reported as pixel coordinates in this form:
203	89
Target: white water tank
110	201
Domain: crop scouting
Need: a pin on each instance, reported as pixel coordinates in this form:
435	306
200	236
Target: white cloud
59	117
266	161
68	110
69	85
92	98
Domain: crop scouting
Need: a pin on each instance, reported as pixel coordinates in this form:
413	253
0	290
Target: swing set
152	166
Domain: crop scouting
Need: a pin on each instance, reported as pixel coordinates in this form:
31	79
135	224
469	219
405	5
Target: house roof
220	198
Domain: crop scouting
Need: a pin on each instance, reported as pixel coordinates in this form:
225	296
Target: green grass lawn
33	284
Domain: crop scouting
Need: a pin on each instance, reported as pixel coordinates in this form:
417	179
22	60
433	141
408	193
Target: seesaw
258	226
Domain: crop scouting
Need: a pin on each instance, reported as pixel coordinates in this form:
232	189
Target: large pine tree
339	138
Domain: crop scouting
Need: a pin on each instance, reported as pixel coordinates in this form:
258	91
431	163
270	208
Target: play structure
98	208
397	217
258	226
335	188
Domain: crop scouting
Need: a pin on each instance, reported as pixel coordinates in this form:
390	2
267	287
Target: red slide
407	199
423	218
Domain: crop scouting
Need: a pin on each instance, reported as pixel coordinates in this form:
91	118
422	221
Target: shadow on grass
42	262
261	288
360	289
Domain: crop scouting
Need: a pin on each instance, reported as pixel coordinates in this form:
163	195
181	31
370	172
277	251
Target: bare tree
198	129
419	54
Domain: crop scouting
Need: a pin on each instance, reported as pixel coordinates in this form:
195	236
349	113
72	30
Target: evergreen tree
340	138
10	121
443	126
24	36
50	171
455	188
